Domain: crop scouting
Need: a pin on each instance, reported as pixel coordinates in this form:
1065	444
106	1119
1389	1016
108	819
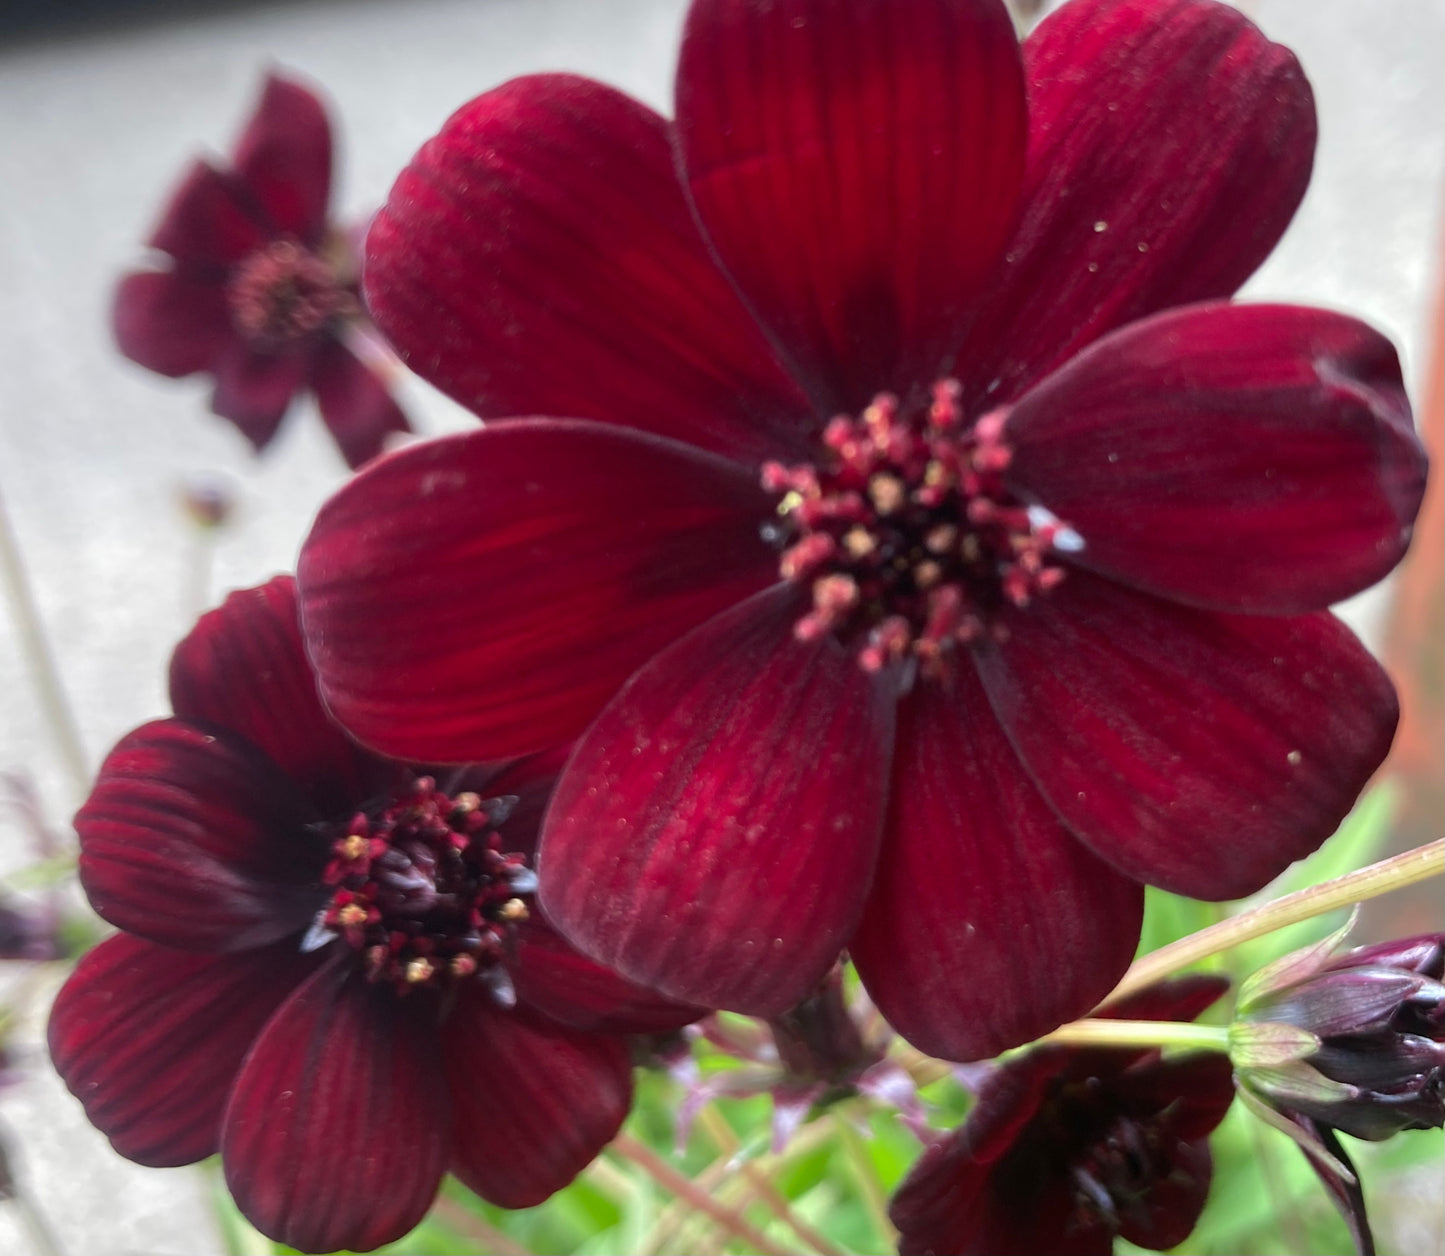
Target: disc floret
423	892
284	293
907	534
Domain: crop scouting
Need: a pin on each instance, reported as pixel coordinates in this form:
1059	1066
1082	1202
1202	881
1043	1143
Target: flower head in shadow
1068	1148
331	967
259	290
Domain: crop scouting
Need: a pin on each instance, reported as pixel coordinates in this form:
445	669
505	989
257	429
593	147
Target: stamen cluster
283	293
1115	1174
424	894
907	534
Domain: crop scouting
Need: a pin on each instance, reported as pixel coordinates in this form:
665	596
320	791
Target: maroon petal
1248	458
533	1103
338	1126
150	1039
483	595
193	839
714	834
989	923
857	167
1170	143
966	1196
244	668
1193	751
284	160
255	388
356	405
1177	999
554	978
539	257
170	323
209	224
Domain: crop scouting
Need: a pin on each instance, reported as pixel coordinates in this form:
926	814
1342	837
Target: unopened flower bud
1356	1041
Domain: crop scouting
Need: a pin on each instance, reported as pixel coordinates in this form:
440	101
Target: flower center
906	534
423	893
1113	1178
283	293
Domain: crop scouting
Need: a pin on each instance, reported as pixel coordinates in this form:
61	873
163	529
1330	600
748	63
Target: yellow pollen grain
351	914
791	500
941	539
419	970
466	801
927	574
859	542
887	493
935	474
355	846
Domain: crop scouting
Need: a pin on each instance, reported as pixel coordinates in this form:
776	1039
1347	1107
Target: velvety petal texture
1247	458
1198	752
686	814
255	387
1170	143
532	1103
244	667
154	1072
284	160
484	595
171	323
539	257
978	876
857	168
208	225
1132	1124
193	839
335	1135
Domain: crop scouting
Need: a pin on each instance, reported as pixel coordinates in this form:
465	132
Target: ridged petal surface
989	923
1194	751
243	667
483	595
532	1103
150	1039
194	839
857	167
1170	143
337	1131
539	257
715	832
1247	458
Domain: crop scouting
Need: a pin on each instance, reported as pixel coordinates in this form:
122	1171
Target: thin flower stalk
671	1179
1393	873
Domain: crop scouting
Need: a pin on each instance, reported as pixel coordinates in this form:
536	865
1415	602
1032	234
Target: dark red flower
260	292
1067	1148
927	582
329	971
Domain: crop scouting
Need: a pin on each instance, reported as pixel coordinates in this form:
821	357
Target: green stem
875	1198
1130	1033
35	650
1394	873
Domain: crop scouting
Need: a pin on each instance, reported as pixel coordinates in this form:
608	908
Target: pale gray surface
93	132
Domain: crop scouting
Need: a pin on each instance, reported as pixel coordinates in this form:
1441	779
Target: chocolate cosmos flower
923	582
1067	1148
329	970
260	290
